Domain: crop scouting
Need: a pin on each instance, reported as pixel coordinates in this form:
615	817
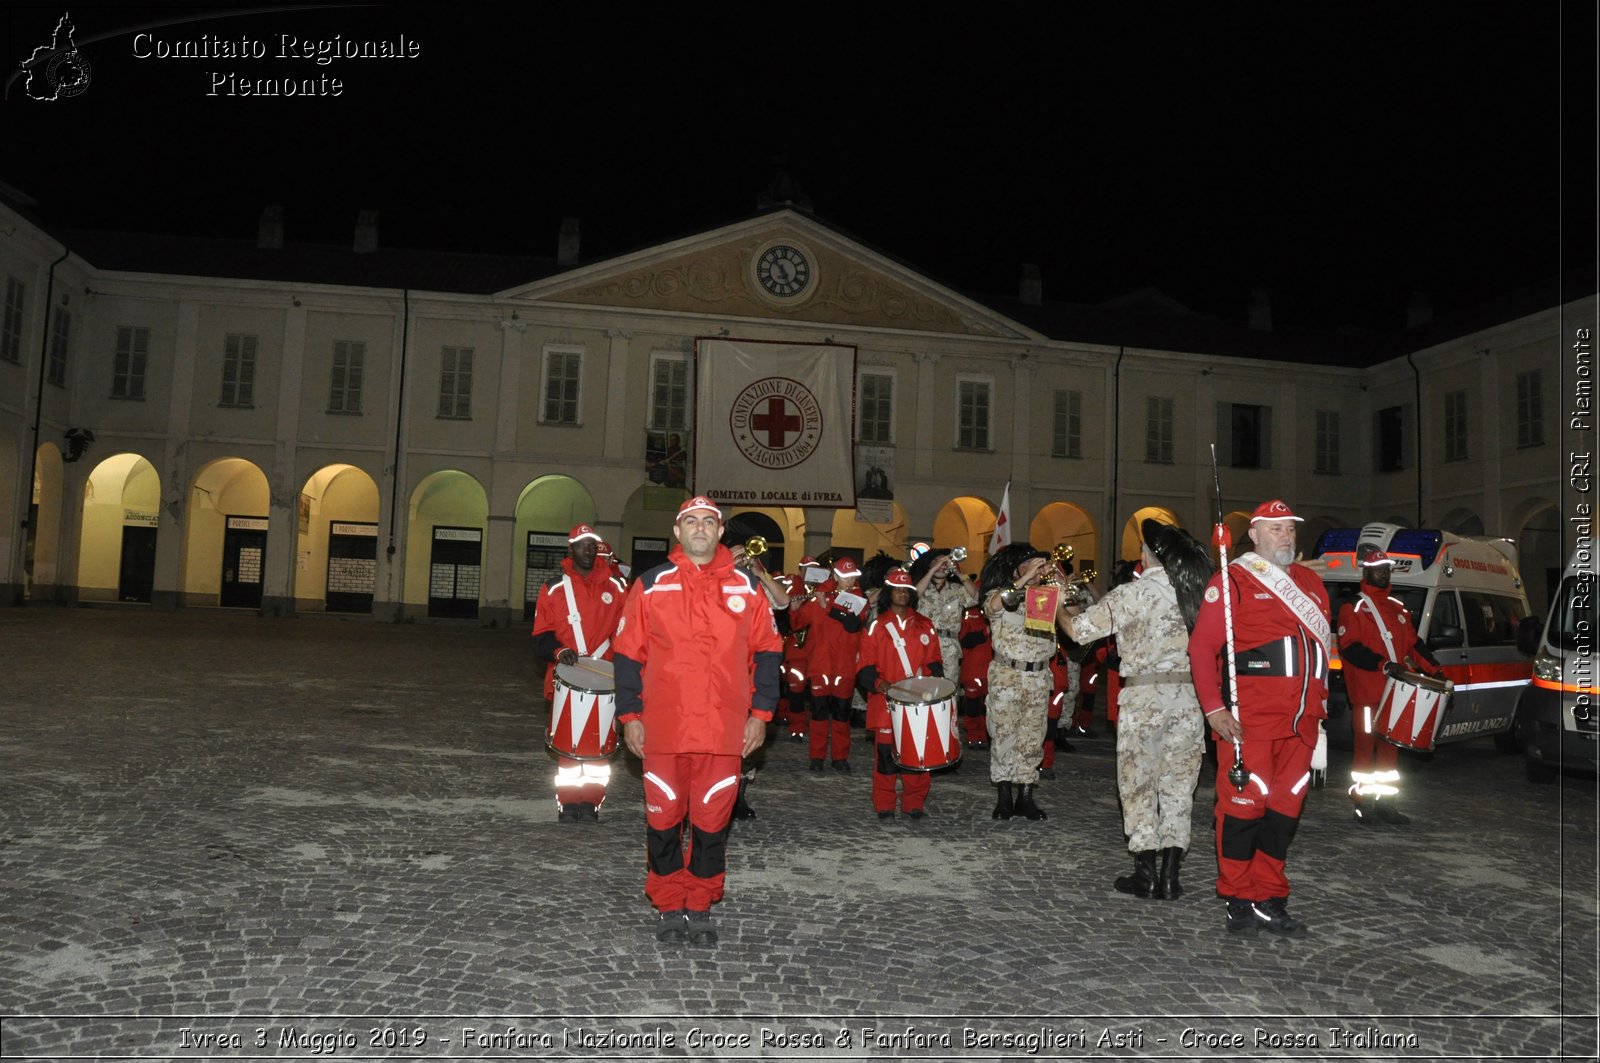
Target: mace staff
1239	775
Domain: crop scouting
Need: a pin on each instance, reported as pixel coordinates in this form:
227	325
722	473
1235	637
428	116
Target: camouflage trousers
1160	738
950	657
1018	703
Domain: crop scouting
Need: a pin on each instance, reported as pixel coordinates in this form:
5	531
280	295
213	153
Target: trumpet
754	547
1058	558
953	558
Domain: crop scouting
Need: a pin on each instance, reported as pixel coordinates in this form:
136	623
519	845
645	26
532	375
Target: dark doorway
455	573
352	567
138	572
244	562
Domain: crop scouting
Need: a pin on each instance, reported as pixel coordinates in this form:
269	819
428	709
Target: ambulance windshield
1575	606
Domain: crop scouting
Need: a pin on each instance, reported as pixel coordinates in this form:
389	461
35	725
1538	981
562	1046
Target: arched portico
1066	524
969	522
225	535
336	541
783	528
1133	535
117	531
446	530
547	509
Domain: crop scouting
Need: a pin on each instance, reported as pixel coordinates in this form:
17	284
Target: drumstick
588	667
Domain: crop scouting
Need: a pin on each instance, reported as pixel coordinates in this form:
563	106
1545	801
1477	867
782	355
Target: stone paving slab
326	831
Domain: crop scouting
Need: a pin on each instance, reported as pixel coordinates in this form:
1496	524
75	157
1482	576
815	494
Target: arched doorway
864	540
44	523
546	512
225	535
1462	522
336	541
445	534
968	522
1133	535
117	533
1540	552
1062	523
783	528
647	526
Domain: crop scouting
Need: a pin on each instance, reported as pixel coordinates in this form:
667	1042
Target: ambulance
1556	718
1465	596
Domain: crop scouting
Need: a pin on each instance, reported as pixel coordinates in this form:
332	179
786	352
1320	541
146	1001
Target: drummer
1374	630
900	643
576	616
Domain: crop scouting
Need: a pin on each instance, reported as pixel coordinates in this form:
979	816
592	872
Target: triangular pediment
782	266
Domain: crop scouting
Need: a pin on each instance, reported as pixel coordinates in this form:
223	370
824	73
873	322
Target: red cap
1375	558
809	562
604	549
846	567
1273	510
899	577
582	531
699	502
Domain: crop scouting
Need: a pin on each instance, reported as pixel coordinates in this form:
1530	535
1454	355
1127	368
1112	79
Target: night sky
1336	155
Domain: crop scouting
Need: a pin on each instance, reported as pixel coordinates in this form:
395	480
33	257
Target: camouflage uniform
1160	731
1018	698
944	608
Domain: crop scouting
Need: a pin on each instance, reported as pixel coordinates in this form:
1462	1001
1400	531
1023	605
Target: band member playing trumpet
898	645
576	616
1019	675
833	632
1374	630
943	596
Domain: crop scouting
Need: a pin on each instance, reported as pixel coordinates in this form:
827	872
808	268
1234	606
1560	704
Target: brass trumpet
754	547
1058	558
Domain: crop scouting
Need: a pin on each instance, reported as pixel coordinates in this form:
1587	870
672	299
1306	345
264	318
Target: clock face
783	271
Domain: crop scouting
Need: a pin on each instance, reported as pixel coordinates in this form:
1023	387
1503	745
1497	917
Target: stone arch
546	510
647	526
1542	545
968	522
784	528
1462	522
336	541
447	523
117	530
1132	536
224	536
1065	523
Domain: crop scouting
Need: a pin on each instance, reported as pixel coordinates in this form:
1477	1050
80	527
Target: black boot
741	807
1002	809
1025	806
1168	888
1142	882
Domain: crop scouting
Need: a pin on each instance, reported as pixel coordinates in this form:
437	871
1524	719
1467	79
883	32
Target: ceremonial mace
1238	775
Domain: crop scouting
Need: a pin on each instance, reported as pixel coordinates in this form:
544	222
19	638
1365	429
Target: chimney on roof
1419	310
269	237
1031	291
1259	312
366	232
567	243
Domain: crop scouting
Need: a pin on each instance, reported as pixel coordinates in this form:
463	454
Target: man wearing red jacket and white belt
1282	643
900	644
1374	630
576	615
697	664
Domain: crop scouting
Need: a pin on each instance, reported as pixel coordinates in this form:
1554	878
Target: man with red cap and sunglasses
576	616
1281	644
1375	630
698	662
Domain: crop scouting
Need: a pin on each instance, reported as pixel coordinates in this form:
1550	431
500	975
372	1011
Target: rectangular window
1066	438
238	371
344	378
56	371
1327	447
1391	431
127	371
972	414
1455	426
1244	435
1158	430
11	321
455	383
669	393
563	368
1530	410
877	408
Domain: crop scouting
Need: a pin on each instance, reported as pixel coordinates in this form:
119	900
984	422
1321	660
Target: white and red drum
1409	712
583	710
922	712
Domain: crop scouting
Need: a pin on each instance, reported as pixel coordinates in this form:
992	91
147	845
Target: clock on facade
784	271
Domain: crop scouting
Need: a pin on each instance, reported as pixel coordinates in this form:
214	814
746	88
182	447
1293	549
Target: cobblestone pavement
338	839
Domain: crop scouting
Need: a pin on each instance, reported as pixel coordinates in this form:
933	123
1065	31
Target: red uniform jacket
598	597
697	653
1283	670
834	634
880	658
977	652
1362	648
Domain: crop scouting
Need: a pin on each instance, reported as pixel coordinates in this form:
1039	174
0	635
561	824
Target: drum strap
575	618
1383	629
899	647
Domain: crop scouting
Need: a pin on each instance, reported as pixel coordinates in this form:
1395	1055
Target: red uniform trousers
1371	754
914	785
1254	828
693	794
830	716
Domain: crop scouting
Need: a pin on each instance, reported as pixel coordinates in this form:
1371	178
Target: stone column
176	472
283	517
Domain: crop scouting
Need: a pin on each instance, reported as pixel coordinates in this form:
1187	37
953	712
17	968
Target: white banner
774	423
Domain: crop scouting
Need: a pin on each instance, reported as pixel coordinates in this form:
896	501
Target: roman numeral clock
784	273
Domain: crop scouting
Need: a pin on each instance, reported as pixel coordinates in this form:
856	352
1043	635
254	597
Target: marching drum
582	710
922	712
1408	714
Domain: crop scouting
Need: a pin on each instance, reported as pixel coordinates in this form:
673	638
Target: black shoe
568	814
977	743
917	813
1274	915
1385	812
887	813
674	927
1242	918
1080	732
797	736
1063	746
1363	809
816	765
741	807
840	765
1047	773
701	932
588	813
1168	888
1025	806
1004	807
1142	882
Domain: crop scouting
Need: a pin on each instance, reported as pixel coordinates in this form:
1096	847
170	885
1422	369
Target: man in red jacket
900	644
1374	630
1282	643
697	664
576	616
976	653
832	622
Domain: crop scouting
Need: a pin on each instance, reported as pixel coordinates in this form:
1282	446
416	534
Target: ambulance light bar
1423	543
1337	541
